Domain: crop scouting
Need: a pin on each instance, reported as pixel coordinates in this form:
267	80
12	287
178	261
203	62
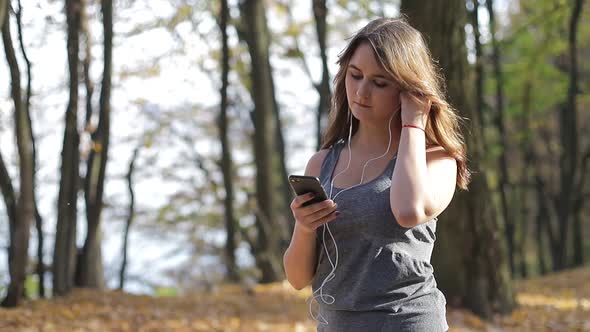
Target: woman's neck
374	141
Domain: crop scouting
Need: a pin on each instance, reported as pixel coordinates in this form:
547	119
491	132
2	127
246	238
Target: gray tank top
384	280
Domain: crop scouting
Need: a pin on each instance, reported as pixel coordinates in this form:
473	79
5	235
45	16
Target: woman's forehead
365	60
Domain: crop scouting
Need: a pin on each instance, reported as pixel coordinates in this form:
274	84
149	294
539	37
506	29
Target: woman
391	159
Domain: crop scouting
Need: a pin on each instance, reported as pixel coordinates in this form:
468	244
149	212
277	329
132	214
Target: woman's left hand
414	109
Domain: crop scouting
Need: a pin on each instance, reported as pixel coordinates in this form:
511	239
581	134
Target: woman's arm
300	258
423	182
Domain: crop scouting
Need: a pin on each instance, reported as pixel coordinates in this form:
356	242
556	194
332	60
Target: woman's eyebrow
375	76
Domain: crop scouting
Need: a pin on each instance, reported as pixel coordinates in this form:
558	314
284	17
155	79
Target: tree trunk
509	225
569	138
85	30
578	240
285	220
41	267
3	11
524	230
320	11
527	165
27	105
543	224
25	204
131	215
479	73
258	40
568	161
477	275
5	181
91	270
578	227
10	202
226	157
543	216
64	255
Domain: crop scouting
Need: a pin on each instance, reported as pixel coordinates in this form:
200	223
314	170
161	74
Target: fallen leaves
559	302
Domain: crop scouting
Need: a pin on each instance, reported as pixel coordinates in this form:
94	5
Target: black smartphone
303	184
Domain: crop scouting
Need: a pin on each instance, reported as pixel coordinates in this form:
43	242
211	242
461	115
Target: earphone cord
329	299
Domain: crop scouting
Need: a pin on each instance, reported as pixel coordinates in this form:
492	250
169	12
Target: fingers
302	199
417	102
312	216
325	219
326	208
315	210
311	224
299	201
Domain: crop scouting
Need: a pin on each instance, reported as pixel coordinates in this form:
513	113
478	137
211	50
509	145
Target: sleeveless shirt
384	280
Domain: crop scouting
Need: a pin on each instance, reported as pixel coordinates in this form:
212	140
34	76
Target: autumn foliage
559	302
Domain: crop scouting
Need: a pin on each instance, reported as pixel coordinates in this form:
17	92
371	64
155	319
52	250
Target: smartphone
303	184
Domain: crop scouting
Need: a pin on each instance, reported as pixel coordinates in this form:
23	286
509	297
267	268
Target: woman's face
372	94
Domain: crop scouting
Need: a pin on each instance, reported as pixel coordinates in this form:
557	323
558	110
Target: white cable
332	274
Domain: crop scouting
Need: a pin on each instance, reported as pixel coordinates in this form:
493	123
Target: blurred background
145	145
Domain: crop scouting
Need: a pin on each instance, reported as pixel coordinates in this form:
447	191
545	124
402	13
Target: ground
558	302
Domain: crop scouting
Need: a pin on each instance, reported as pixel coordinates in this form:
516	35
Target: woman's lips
362	105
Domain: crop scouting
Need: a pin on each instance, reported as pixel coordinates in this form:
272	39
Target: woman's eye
356	77
379	84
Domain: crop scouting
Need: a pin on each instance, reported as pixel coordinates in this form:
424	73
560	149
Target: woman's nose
363	89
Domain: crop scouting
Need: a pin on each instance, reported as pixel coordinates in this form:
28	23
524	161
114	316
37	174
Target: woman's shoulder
314	165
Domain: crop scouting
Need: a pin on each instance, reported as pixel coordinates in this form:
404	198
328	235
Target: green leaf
32	286
166	292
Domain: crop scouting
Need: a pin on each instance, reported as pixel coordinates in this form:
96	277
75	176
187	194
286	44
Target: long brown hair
402	52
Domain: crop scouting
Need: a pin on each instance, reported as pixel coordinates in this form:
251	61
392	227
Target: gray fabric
384	280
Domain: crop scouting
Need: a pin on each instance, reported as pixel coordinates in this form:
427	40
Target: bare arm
423	182
300	258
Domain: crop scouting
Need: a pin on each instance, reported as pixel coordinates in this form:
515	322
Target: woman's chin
367	115
360	113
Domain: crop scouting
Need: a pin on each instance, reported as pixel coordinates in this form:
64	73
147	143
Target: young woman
391	159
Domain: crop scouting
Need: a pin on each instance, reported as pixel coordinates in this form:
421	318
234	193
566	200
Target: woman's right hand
310	217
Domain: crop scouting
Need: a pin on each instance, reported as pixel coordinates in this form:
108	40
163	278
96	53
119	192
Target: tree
320	11
255	32
8	193
571	168
559	187
25	204
534	63
504	185
27	106
475	271
9	197
131	215
91	270
64	254
226	158
3	11
294	29
88	84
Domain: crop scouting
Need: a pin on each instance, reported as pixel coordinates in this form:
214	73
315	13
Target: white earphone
329	299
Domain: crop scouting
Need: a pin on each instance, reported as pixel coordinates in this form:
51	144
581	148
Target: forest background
145	145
